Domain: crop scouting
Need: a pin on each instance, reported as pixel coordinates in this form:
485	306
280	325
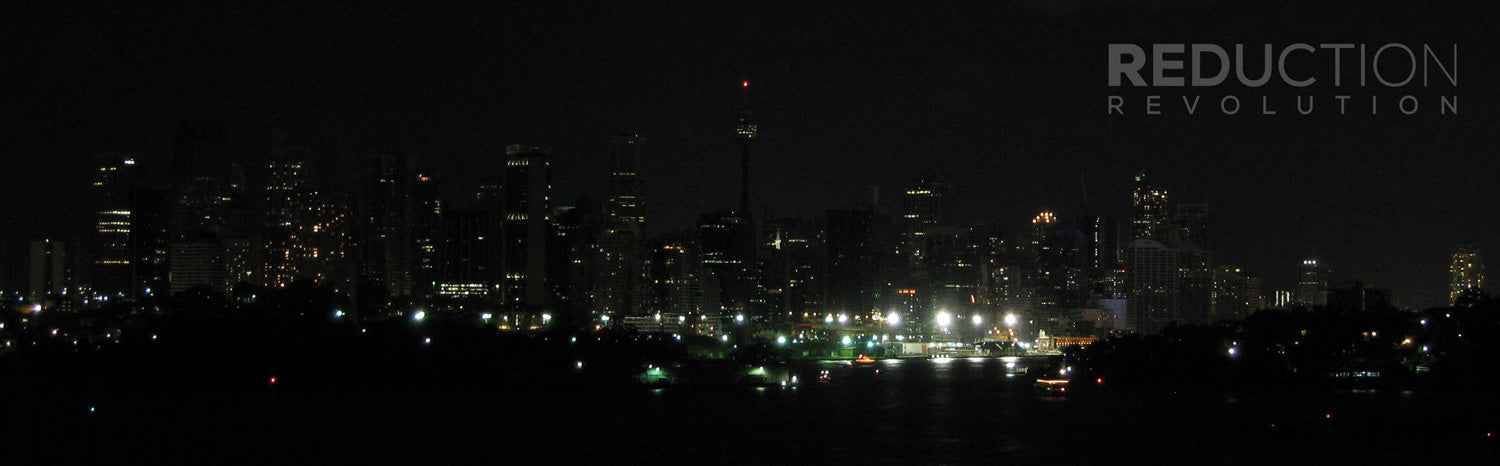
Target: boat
1051	386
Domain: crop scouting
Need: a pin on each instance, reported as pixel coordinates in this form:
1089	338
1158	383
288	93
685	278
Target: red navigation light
1328	416
1099	380
273	381
745	84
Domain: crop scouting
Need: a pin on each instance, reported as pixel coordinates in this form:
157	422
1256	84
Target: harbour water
914	411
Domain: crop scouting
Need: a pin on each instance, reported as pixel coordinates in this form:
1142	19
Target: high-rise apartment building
1152	282
307	228
1465	272
401	222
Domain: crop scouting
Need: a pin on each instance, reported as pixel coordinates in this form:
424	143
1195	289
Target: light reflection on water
915	411
980	409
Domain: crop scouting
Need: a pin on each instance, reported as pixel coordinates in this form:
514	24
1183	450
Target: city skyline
1381	199
1139	231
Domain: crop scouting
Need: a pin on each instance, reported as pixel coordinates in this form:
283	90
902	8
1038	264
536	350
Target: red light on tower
745	84
273	381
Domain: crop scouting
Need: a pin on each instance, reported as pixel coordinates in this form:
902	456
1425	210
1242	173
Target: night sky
1006	101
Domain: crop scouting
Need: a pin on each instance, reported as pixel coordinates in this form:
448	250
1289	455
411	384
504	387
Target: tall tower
1465	272
852	261
1150	208
114	196
740	292
623	229
389	215
489	200
1190	236
924	206
401	218
745	133
528	212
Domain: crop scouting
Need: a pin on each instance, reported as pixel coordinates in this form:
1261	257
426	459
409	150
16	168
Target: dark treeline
300	335
1454	348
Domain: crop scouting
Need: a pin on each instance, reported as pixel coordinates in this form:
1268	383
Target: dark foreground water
958	411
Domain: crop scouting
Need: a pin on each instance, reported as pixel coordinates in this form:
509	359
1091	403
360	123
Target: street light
944	319
1011	320
977	319
893	318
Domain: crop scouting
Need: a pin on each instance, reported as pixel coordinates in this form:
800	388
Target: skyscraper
1465	272
794	264
1312	283
151	242
461	267
1152	281
1190	237
676	276
1236	293
210	234
1103	245
401	222
528	211
852	261
1149	207
1050	271
288	201
1192	225
489	201
50	274
924	206
1060	274
307	227
575	261
1359	298
113	191
624	223
726	261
